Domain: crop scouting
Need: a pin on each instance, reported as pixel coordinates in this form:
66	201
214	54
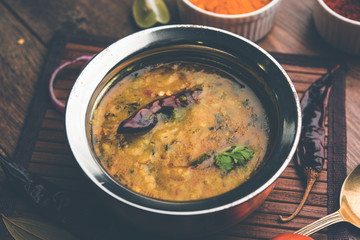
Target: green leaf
239	159
149	12
31	229
239	148
224	162
247	153
235	155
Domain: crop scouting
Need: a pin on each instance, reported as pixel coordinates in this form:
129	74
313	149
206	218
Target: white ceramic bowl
339	31
254	25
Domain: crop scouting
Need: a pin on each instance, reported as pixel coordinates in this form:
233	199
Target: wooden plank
53	124
304	77
91	16
65	83
293	172
18	75
353	117
293	164
53	158
303	69
19	72
297	186
52	147
78	49
294	31
300	86
61	93
53	136
280	208
67	74
53	114
272	220
315	199
71	54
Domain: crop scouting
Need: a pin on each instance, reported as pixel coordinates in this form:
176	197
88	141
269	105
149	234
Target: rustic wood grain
353	114
52	159
19	68
106	17
36	21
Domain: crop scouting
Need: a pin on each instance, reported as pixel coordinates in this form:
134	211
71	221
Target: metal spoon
349	206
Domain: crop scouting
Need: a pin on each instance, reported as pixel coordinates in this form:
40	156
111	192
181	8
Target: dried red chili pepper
310	155
145	118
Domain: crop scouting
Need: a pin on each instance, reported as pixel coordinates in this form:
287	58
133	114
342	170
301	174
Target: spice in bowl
230	6
347	8
252	19
334	20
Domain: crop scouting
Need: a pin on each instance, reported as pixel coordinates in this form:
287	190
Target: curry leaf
31	229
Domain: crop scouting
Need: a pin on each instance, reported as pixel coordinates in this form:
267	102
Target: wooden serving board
49	155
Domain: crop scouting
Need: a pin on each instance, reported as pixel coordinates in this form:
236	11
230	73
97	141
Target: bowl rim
232	16
337	15
76	102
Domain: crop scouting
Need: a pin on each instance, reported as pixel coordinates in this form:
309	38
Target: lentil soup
205	135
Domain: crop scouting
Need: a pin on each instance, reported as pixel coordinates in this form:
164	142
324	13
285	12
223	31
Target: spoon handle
321	223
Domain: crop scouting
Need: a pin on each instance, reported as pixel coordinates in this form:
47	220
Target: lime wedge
149	12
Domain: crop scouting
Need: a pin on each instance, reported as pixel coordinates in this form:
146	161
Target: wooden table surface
36	22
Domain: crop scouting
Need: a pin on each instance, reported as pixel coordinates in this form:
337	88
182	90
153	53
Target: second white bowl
254	25
339	31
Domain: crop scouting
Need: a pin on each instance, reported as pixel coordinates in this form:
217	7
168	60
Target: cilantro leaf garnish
224	162
234	156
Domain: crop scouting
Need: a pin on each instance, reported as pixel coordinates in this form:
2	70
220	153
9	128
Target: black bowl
210	46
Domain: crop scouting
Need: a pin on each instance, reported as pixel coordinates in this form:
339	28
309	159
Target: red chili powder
347	8
230	6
